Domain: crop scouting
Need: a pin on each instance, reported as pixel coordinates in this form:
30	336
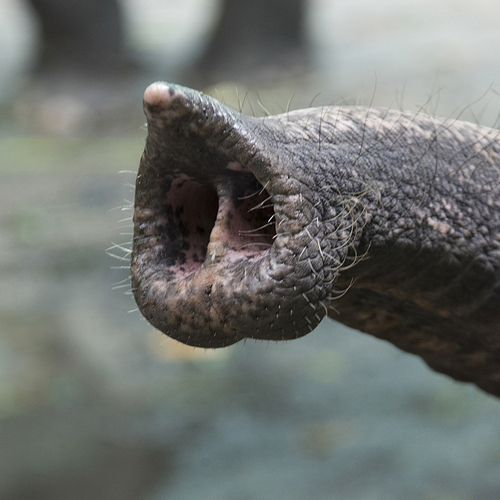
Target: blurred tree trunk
87	34
256	35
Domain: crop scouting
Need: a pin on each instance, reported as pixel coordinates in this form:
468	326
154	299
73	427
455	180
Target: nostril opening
191	212
245	226
257	220
201	224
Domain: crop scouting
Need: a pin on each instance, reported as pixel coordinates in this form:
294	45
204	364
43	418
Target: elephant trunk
258	228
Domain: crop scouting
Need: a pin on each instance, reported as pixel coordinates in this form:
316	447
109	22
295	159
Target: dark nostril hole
191	211
258	226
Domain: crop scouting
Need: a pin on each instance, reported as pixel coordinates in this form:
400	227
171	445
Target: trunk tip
158	94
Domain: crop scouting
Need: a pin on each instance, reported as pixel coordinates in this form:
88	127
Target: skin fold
388	222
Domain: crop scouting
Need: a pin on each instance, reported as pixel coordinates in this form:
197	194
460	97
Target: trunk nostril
201	225
245	226
190	211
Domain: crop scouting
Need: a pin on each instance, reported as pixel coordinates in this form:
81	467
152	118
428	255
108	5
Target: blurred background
94	403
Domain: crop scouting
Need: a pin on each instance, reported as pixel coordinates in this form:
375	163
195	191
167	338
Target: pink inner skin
215	228
240	236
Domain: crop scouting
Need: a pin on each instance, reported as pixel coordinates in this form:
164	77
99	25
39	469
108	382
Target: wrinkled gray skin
388	222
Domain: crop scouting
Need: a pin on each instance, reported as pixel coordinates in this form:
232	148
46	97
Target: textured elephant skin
386	221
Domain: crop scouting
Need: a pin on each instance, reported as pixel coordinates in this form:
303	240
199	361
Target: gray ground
95	404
